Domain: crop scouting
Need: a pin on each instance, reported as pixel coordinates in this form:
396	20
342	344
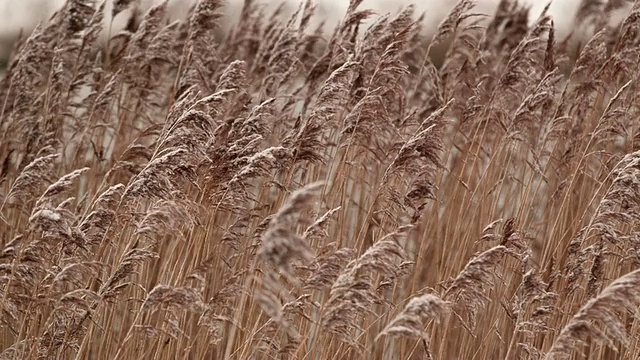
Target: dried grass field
286	191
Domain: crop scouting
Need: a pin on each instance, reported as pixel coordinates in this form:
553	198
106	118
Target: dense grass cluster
286	192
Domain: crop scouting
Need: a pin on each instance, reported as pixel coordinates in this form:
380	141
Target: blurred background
23	15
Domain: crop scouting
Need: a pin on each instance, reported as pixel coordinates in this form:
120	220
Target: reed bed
281	191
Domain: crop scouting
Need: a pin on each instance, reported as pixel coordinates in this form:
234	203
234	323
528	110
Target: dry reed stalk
146	184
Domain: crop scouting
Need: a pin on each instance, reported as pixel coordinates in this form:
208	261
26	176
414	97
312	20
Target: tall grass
289	192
